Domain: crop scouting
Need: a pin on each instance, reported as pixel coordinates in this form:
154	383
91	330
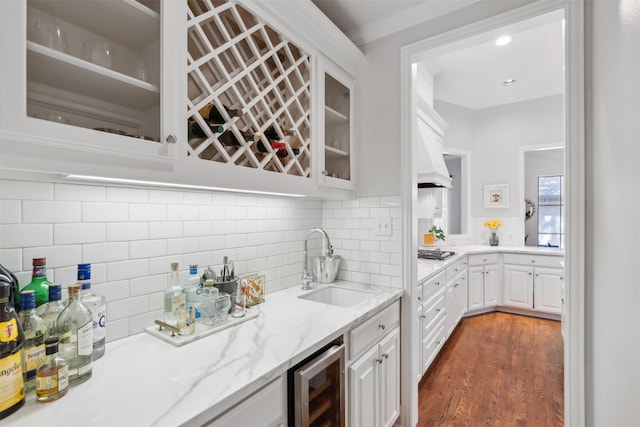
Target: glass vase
494	240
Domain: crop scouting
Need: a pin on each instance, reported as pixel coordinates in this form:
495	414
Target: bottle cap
55	292
74	289
27	300
4	291
84	271
51	345
193	268
37	262
174	266
208	282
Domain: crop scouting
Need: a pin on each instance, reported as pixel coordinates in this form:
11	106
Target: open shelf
60	70
333	117
335	151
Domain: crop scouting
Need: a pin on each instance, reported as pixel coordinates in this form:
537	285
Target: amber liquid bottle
11	342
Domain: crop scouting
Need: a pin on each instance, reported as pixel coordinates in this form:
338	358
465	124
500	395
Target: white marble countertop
144	381
428	268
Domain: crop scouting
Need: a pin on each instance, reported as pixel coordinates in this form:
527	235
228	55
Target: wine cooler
316	389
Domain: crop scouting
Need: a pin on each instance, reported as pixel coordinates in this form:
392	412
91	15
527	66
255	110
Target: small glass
207	307
240	305
100	53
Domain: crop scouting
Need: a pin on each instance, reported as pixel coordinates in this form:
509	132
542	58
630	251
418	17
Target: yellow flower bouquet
493	225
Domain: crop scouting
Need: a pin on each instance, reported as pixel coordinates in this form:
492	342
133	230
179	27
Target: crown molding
404	19
496	102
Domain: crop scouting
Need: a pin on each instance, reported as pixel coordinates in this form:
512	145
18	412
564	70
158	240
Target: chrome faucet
309	275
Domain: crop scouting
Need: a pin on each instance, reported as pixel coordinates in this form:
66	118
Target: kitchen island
145	381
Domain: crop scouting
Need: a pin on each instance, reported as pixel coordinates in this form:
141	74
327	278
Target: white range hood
431	168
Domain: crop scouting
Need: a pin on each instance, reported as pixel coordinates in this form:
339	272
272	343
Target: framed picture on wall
496	196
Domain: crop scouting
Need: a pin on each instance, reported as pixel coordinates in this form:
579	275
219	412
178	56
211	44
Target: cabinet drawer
433	343
454	270
533	260
432	285
481	259
370	332
433	309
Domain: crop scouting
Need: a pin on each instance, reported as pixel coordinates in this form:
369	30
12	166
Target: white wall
131	235
378	101
494	137
613	230
536	164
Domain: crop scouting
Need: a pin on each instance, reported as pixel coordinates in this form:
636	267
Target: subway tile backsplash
131	235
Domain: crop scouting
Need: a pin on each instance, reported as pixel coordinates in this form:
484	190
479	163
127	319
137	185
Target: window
551	211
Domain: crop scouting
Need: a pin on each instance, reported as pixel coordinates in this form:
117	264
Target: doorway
573	107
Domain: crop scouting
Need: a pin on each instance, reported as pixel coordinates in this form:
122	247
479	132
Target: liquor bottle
11	342
52	377
97	304
75	331
192	289
50	311
39	282
211	113
33	351
14	287
174	297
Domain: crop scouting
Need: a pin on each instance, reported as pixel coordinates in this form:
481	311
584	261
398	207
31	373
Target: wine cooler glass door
319	390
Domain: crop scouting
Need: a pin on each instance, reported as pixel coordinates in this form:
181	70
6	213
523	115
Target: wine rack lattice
237	62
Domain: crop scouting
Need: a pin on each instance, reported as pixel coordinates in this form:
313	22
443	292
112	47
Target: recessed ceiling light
509	82
503	41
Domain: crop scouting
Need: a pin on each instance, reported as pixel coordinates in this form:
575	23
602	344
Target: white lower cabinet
268	405
547	295
533	283
374	384
484	281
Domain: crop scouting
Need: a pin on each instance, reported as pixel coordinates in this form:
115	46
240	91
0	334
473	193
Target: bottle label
34	357
8	330
84	369
63	377
99	323
11	382
39	271
85	339
177	301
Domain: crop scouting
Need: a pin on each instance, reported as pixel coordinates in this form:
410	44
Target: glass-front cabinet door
336	103
86	76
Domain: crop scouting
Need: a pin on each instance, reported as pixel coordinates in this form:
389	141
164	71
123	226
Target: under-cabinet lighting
503	41
105	179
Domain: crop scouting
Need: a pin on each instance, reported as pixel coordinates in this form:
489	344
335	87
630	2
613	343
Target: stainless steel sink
335	295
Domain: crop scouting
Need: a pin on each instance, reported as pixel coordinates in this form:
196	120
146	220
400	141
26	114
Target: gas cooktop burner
436	254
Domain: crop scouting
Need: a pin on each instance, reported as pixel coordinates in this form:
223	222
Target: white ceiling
469	73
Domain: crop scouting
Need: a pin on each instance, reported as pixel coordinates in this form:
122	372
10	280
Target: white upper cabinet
335	130
121	88
88	82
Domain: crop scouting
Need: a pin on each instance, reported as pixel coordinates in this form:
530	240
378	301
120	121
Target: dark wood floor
496	370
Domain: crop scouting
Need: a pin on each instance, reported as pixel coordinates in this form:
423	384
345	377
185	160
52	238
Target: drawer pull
381	326
422	316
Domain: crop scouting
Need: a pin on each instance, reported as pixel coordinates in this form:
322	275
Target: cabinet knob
537	275
533	261
171	139
381	326
379	360
437	342
437	310
422	316
385	355
531	274
456	285
419	298
437	283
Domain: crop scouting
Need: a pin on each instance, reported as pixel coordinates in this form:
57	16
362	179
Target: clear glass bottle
51	310
97	304
11	341
33	352
192	289
52	377
75	331
39	283
174	296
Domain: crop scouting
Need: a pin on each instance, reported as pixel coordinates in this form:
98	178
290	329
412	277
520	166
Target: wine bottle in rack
229	139
210	112
272	134
195	131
